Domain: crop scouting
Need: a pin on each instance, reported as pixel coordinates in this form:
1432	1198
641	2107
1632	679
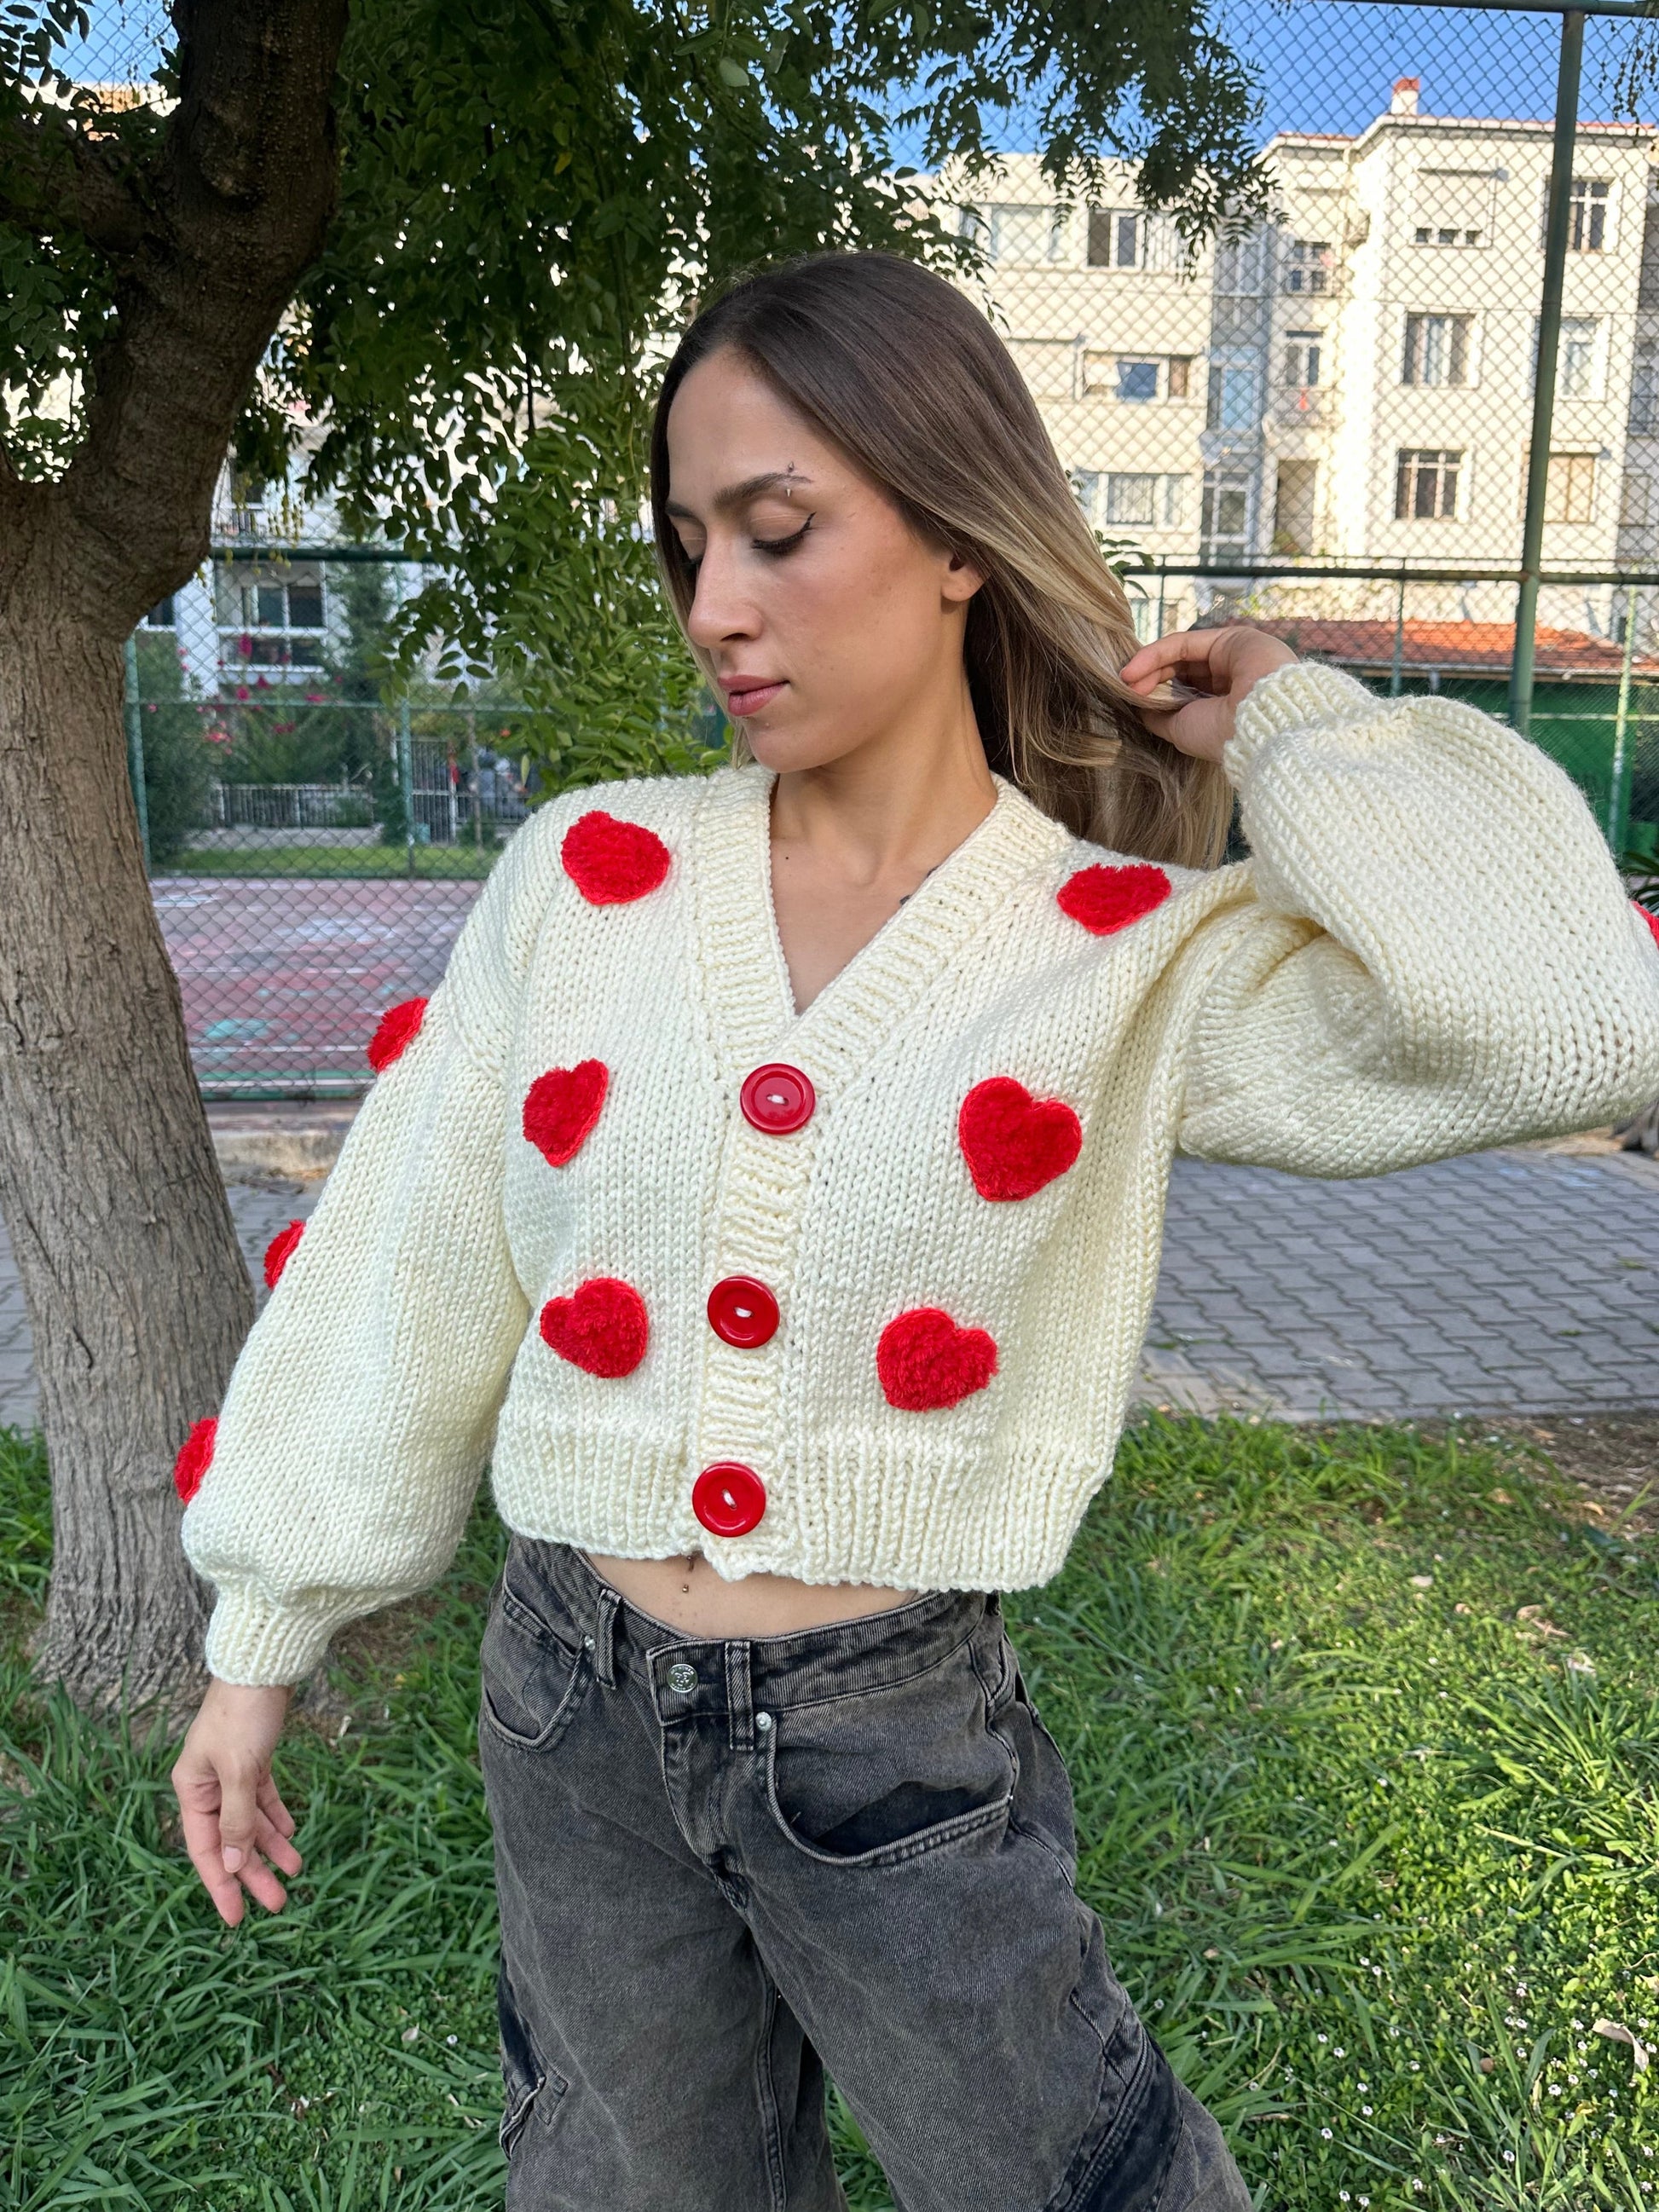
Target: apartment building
1353	381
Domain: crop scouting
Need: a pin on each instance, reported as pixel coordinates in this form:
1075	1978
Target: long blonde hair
900	372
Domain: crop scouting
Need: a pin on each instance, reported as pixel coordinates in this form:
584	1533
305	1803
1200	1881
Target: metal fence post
1559	206
1396	672
406	780
1618	796
136	745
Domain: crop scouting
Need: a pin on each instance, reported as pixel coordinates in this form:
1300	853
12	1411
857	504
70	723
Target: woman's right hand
237	1829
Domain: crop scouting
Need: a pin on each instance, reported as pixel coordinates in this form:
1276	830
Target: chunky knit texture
515	1258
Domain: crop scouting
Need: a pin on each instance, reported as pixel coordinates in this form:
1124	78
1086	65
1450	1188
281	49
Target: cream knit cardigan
1430	951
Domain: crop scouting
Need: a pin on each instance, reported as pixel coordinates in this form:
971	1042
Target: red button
742	1311
728	1497
777	1099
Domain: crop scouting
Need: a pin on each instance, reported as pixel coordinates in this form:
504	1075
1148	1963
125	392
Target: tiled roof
1463	648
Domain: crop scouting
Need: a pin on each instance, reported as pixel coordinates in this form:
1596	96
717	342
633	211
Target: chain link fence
1322	420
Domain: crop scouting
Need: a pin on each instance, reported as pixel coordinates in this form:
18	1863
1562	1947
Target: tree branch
55	179
237	200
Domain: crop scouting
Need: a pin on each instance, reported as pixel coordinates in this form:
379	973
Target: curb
296	1142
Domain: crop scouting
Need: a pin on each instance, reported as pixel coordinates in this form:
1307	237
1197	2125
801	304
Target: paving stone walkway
1509	1282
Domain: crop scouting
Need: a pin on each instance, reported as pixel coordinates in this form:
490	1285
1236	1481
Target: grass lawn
433	863
1364	1735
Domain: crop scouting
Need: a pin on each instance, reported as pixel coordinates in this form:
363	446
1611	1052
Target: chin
785	750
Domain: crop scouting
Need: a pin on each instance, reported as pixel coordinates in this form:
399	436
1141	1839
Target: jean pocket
533	1683
894	1773
527	2085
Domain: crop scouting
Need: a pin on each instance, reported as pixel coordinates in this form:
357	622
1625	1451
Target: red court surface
283	980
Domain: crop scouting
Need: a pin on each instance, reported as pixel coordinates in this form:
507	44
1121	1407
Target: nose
720	611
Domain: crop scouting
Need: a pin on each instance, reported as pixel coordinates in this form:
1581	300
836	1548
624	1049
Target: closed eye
774	548
777	548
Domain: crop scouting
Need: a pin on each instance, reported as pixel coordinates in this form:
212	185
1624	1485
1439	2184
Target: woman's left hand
1221	665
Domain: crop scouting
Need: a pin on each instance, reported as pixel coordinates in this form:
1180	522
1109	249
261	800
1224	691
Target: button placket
762	1194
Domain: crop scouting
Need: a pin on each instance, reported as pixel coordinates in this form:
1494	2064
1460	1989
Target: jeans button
682	1677
762	1722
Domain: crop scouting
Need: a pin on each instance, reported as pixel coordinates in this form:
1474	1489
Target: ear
960	579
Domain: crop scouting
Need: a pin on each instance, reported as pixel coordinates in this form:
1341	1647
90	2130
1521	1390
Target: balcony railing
1295	405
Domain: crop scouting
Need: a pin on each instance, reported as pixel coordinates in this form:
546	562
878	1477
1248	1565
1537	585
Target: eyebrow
739	494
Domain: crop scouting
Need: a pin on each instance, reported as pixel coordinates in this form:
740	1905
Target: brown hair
900	371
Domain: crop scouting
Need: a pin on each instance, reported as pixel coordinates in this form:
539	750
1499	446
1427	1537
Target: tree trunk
136	1293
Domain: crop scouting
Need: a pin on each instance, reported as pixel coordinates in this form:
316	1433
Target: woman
818	1115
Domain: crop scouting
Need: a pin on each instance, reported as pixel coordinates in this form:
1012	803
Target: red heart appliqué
395	1030
1651	919
610	862
561	1108
194	1457
1105	899
1013	1143
280	1251
601	1327
924	1360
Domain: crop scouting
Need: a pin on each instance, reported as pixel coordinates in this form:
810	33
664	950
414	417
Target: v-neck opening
750	999
768	892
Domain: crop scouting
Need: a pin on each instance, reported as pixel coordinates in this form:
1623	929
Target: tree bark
137	1294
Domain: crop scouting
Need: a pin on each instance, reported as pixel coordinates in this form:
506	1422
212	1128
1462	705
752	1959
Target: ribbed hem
260	1645
859	1507
1290	699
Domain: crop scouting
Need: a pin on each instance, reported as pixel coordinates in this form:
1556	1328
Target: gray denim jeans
725	1866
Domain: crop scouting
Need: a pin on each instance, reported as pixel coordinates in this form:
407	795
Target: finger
201	1829
271	1844
1155	663
1200	728
238	1806
270	1802
262	1885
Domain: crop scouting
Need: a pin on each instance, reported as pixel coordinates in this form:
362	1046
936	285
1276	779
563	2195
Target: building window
1587	220
1633	503
1116	239
1575	372
1137	379
270	616
1644	389
1118	501
1143	612
1181	370
1224	520
1240	264
162	616
1569	489
1131	499
1308	265
1010	233
1303	351
1453	207
1426	484
1232	397
1578	361
1438	348
1294	492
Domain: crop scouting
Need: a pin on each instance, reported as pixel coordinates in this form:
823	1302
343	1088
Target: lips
747	694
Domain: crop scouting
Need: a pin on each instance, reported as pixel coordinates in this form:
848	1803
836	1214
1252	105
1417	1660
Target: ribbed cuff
264	1646
1290	698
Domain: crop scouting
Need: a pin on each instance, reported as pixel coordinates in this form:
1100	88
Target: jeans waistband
744	1673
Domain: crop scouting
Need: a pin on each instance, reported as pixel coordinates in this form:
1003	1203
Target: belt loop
605	1625
739	1703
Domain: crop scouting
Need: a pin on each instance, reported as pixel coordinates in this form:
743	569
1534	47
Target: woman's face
828	624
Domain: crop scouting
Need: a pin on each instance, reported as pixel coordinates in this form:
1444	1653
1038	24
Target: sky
1324	64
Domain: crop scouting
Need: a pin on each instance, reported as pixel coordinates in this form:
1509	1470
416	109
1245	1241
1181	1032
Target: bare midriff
687	1593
